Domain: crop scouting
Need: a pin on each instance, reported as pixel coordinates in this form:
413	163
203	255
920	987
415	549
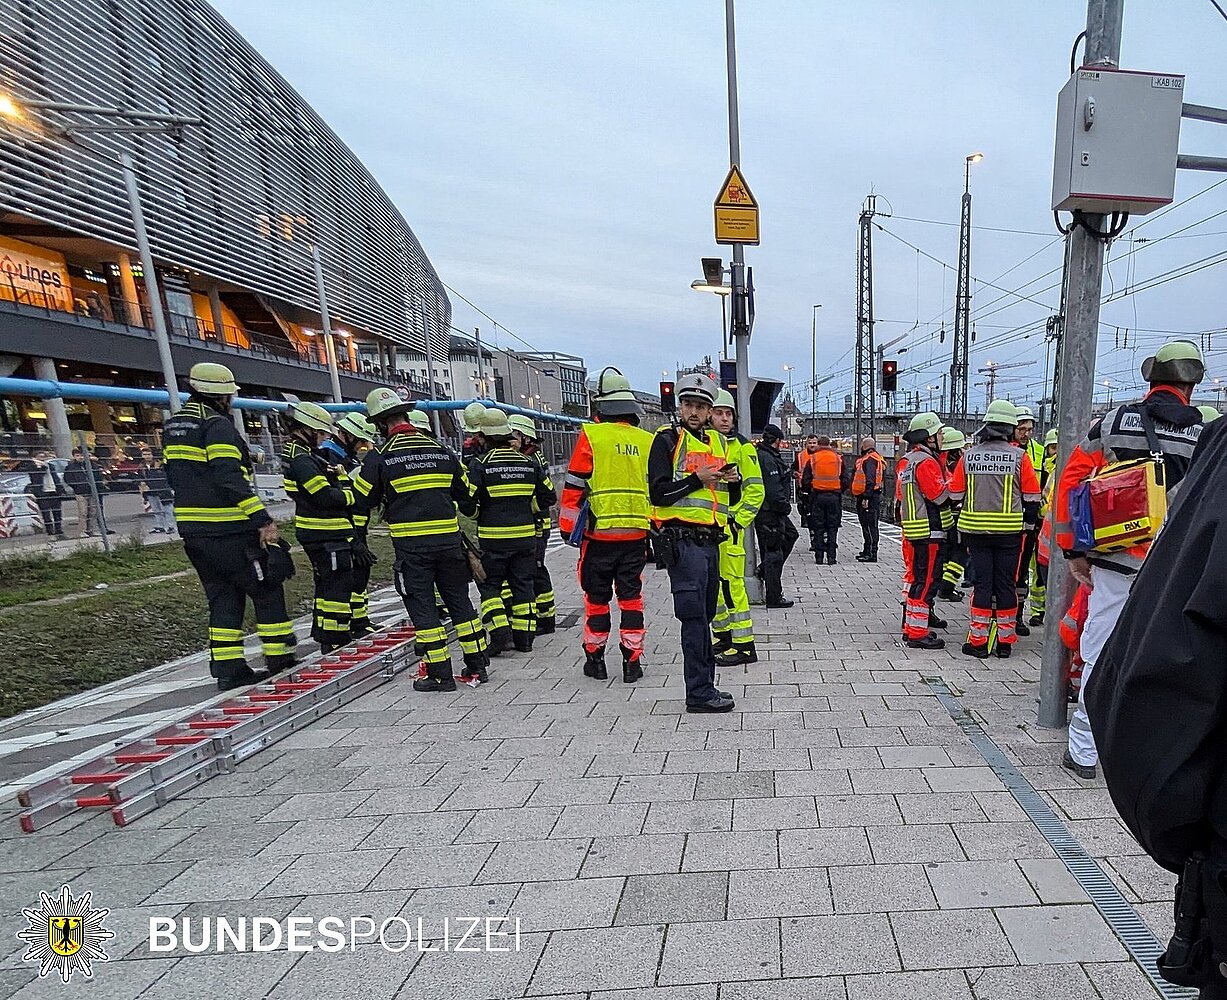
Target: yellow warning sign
736	211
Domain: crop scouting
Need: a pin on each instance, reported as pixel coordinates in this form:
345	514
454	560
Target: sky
558	162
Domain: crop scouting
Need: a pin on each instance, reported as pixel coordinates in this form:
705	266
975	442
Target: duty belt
699	534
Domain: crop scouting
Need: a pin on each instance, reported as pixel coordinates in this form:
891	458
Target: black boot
935	622
278	664
360	627
631	670
523	641
594	665
476	665
547	625
500	640
979	652
831	559
721	642
737	656
1022	630
438	678
1037	619
928	642
240	677
1003	650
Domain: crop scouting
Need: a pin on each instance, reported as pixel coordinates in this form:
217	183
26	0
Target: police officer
525	440
607	489
733	628
689	473
774	528
923	495
352	436
1000	493
226	531
952	441
867	477
417	482
322	501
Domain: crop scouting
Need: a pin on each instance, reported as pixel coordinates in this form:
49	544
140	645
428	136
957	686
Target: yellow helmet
951	439
211	379
927	421
524	424
356	424
472	417
310	415
494	423
384	402
1001	411
725	398
1175	361
420	419
1208	414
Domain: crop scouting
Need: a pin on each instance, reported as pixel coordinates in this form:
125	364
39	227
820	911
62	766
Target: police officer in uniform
733	628
352	436
503	484
607	489
689	473
418	483
227	533
923	495
525	440
774	528
322	502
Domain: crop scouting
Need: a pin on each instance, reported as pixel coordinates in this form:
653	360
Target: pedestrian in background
867	478
48	489
824	481
922	495
158	492
803	460
77	477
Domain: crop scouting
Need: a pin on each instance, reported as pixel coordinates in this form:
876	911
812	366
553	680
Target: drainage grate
1121	917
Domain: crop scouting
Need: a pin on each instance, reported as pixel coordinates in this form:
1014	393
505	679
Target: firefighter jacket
922	495
418	483
997	486
677	495
1118	437
209	468
775	473
1157	696
1034	451
322	498
608	469
502	487
867	474
540	514
824	473
746	496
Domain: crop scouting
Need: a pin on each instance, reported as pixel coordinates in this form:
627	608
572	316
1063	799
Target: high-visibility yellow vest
707	504
920	519
618	487
993	501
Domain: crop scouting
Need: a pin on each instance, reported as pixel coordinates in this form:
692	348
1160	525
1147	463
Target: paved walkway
835	838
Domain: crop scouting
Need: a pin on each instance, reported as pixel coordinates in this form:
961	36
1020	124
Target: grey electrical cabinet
1118	133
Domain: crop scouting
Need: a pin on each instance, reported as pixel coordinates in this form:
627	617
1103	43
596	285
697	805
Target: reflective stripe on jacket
993	480
705	504
922	492
321	504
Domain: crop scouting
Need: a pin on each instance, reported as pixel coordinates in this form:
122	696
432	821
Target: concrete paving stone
844	758
623	819
732	851
921	843
653	854
740	739
1104	838
937	985
1147	880
616	765
506	729
31	853
656	788
789	892
819	782
842	719
822	848
1054	934
489	793
969	885
880	888
312	780
234	878
353	736
130	926
885	718
479	975
721	952
1001	807
1040	982
410	829
317	874
858	810
962	779
1052	881
787	737
395	801
783	759
556	906
223	810
1001	841
494	825
245	975
914	756
219	841
780	813
550	768
704	992
877	737
413	776
535	860
314	836
888	781
125	885
668	899
574	791
735	785
608	958
454	773
372	973
436	905
1120	981
120	980
441	750
1085	803
319	805
525	748
664	742
12	981
689	817
759	721
700	761
950	939
838	945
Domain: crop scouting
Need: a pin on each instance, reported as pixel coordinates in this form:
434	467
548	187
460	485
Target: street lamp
702	285
967	162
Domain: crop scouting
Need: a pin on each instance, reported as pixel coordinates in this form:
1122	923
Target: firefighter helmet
310	415
696	386
1001	411
614	397
1024	412
1051	438
384	402
472	417
951	439
356	425
420	419
1208	414
494	424
1175	361
725	398
211	379
929	422
524	425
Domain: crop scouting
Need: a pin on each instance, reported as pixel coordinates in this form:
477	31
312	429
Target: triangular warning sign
735	192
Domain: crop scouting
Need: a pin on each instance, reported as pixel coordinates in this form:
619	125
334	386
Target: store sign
33	275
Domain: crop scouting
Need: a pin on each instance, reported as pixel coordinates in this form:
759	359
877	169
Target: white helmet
697	386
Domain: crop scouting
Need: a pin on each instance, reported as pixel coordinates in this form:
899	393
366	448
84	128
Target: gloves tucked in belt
363	556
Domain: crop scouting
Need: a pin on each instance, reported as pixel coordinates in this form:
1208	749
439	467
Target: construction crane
991	370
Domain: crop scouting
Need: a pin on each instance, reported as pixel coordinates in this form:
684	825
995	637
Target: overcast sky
558	161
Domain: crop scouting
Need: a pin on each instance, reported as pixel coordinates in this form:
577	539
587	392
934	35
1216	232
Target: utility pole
1077	366
330	350
864	402
1056	332
481	367
962	303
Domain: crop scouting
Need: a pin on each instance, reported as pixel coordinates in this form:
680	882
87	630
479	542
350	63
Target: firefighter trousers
603	568
416	573
733	621
359	601
954	560
921	559
543	588
225	569
332	565
516	620
994	562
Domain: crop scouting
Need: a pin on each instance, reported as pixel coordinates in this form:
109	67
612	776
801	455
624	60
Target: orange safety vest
860	484
804	458
827	466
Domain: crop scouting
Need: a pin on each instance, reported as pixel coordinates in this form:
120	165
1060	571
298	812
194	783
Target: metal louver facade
240	199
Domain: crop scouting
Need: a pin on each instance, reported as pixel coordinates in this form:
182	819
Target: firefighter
352	436
526	441
1119	435
954	551
1208	414
689	474
607	487
823	481
803	460
997	486
417	483
867	476
732	628
502	487
322	502
923	495
1024	437
774	528
474	443
227	533
1037	598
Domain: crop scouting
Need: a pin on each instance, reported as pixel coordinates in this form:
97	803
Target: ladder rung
271	696
182	741
151	757
92	801
105	778
212	723
244	709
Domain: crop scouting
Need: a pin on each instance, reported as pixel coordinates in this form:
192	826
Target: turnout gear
614	397
922	494
954	555
309	415
354	428
211	379
773	527
356	425
733	621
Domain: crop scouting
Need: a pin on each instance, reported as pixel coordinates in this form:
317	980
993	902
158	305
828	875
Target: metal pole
1103	35
481	364
741	330
330	351
152	292
959	366
813	360
93	494
430	367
